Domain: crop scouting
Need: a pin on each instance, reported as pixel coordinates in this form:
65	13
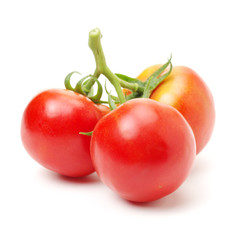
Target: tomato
50	131
186	91
143	150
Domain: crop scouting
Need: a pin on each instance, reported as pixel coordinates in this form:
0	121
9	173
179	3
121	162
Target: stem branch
102	68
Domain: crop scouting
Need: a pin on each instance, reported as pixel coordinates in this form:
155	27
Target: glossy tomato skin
143	150
185	90
50	131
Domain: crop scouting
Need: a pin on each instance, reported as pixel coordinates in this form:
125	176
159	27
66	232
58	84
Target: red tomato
50	131
184	90
143	150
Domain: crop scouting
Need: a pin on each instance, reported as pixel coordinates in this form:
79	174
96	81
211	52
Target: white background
42	41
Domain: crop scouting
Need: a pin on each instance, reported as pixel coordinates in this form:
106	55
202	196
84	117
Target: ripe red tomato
50	131
184	90
143	150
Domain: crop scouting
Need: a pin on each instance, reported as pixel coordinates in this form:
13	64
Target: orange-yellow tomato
186	91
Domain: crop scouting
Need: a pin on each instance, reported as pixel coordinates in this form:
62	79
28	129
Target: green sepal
91	91
130	80
153	81
133	95
87	133
98	95
80	85
115	99
111	102
147	91
67	80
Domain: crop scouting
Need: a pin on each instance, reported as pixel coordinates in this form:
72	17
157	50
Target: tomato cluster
142	146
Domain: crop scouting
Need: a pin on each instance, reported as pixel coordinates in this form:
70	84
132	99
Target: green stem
115	82
101	66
